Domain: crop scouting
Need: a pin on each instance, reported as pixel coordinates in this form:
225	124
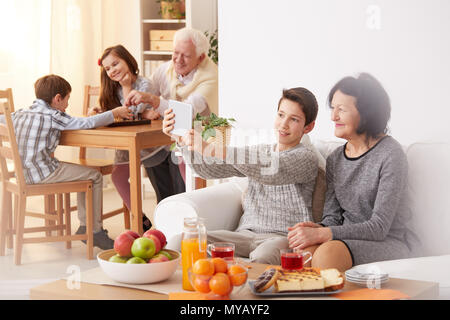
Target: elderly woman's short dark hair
372	102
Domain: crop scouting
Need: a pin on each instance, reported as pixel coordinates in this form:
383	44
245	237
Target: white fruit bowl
138	273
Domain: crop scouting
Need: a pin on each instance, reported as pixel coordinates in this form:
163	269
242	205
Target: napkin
371	294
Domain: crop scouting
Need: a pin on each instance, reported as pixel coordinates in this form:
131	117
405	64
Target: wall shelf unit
200	14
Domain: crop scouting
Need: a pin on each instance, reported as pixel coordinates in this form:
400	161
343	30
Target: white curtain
24	46
39	37
76	43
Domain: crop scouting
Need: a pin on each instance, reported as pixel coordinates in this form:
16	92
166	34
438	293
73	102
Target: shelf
158	53
164	21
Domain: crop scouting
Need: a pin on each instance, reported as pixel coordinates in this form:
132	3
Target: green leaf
208	133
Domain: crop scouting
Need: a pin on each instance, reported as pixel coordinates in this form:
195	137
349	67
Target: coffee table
58	290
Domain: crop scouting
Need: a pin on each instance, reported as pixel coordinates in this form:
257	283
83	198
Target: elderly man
190	77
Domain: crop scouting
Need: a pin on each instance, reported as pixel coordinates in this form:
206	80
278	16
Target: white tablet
183	117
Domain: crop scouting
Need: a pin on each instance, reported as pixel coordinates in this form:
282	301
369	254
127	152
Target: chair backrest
7	94
9	149
89	92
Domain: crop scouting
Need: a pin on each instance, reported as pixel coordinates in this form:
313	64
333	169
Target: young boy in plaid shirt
38	130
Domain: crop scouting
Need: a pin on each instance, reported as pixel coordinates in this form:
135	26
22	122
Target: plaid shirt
38	130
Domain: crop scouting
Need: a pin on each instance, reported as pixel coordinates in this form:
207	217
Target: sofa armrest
220	205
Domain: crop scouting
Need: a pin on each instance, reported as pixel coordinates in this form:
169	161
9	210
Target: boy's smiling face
290	124
60	103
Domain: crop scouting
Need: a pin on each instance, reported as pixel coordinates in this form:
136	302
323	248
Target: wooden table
131	138
58	290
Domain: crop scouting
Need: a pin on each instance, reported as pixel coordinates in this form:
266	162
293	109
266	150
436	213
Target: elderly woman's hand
306	234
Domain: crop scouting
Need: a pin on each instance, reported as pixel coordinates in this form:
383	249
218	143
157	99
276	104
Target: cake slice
308	279
333	279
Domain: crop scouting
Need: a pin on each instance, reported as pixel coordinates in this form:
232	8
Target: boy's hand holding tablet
177	119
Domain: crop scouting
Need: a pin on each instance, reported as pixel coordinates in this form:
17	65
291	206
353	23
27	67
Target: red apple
158	258
132	233
159	234
123	243
156	241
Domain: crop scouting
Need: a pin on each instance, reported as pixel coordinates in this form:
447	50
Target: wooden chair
8	95
102	165
14	184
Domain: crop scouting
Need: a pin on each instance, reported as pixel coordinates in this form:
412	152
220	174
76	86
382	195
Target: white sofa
429	190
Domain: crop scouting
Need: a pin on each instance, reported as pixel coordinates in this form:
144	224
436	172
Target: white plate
365	274
271	292
368	283
373	277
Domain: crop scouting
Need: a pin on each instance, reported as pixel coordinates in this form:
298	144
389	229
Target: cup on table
292	259
221	250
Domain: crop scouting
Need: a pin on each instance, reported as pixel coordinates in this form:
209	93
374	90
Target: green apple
135	260
168	255
143	248
118	259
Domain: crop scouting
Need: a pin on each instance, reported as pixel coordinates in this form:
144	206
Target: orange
203	267
238	275
201	283
220	265
220	284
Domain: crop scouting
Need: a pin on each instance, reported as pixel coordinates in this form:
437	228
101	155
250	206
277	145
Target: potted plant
172	9
215	127
213	52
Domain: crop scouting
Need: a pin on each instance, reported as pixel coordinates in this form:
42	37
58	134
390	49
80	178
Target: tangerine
220	265
237	274
220	284
201	283
203	267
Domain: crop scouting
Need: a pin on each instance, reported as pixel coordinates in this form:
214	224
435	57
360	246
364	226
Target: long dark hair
108	88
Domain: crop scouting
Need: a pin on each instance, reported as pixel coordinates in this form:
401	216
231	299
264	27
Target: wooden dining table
130	138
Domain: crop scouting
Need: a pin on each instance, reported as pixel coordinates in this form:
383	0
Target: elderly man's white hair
197	37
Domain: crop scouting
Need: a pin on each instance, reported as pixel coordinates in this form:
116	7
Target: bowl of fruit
139	260
217	278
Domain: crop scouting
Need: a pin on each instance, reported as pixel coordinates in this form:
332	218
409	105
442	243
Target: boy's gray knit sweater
280	184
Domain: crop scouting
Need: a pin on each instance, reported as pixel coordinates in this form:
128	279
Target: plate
368	283
271	292
364	276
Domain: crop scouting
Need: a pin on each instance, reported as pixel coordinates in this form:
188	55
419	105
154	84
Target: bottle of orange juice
193	246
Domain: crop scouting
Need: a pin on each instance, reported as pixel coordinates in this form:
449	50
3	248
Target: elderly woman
365	216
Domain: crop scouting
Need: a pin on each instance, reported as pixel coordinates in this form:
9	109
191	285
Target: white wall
265	46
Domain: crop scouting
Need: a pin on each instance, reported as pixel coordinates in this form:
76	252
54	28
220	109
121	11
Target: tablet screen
183	117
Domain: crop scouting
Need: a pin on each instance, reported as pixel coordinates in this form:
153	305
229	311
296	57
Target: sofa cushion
429	185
